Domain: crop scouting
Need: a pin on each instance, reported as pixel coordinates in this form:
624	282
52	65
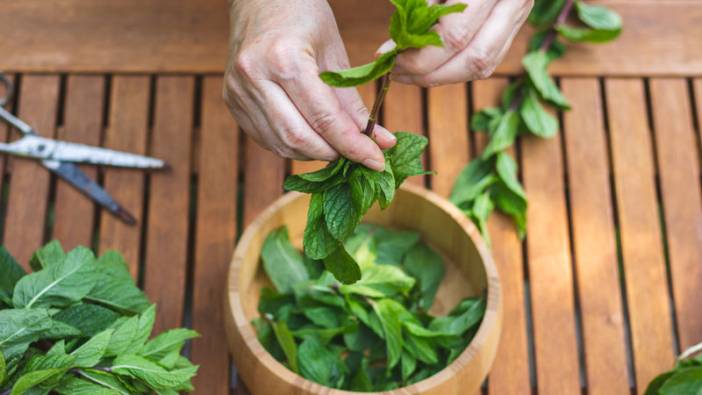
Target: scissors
62	157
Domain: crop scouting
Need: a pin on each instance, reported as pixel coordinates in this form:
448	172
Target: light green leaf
59	285
361	74
512	204
104	379
598	17
131	333
283	264
151	373
33	379
20	327
408	365
317	181
287	343
480	212
472	181
71	385
167	342
507	170
483	119
324	316
3	369
115	287
537	120
469	313
318	241
10	273
50	254
687	381
362	189
424	264
92	351
421	349
391	314
536	64
392	245
343	266
406	156
381	281
586	35
410	26
504	135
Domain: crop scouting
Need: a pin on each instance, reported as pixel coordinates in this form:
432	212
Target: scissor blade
70	173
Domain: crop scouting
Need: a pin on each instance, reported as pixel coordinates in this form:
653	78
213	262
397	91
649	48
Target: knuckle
456	38
283	58
281	151
416	65
481	64
293	137
323	122
244	64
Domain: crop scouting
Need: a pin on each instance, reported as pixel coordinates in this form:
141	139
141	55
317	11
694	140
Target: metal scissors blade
34	146
70	173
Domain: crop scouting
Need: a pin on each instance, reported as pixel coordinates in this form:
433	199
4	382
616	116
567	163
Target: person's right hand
272	87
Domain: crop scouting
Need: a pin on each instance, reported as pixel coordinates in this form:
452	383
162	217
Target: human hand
475	42
272	86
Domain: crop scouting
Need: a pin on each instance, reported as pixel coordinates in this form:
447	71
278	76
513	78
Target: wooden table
600	297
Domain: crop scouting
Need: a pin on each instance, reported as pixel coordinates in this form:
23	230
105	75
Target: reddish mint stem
377	104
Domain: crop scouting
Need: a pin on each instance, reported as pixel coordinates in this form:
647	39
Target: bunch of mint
79	325
374	335
490	181
343	191
684	379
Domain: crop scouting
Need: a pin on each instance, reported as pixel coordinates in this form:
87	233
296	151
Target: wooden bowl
469	271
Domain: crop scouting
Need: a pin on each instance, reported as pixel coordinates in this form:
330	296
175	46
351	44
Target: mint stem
377	104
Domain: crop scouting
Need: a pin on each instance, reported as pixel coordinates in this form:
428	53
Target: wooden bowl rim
491	320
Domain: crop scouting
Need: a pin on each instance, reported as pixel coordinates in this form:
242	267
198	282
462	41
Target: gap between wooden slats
510	371
550	269
678	167
594	240
74	213
5	134
29	190
214	238
643	263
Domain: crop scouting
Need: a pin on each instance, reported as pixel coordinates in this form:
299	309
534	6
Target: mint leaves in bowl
424	317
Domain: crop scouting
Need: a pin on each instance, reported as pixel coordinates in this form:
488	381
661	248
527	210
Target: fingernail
386	47
373	164
383	137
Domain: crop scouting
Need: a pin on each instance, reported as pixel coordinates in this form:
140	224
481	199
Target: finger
486	51
352	102
456	31
290	128
322	109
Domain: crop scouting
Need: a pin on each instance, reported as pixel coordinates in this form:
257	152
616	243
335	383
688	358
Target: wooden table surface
600	296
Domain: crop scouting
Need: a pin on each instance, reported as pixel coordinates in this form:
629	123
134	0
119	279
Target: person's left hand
475	42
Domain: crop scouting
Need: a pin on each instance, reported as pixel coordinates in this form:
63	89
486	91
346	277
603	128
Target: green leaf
325	335
90	319
424	264
410	25
324	316
343	266
319	364
150	373
480	212
504	135
655	385
92	351
287	343
167	342
468	314
318	242
586	35
537	120
59	285
555	51
390	314
3	369
33	379
10	273
545	12
512	204
361	381
71	385
361	74
408	365
283	264
687	381
483	119
317	181
362	189
381	281
115	287
472	181
598	17
392	245
47	255
104	379
421	349
131	333
20	327
536	64
507	170
406	156
340	213
385	185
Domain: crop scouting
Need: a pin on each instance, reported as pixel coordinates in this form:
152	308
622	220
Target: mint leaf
392	245
406	156
411	23
340	213
90	319
421	349
472	181
480	212
104	379
282	262
655	385
318	242
60	284
71	385
362	189
468	314
537	120
324	316
390	314
115	287
131	333
545	12
408	364
381	281
319	364
10	273
47	255
599	17
167	342
536	64
92	351
581	35
20	327
3	369
424	264
153	375
33	379
342	266
361	74
484	120
504	135
287	343
684	381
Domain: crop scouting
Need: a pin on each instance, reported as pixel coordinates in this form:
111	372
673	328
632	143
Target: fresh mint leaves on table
343	191
684	379
490	181
79	325
373	335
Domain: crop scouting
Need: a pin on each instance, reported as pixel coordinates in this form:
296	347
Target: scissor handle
5	89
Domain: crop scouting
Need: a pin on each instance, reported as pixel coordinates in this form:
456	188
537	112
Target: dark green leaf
324	316
421	349
424	264
555	51
115	287
406	156
104	379
536	64
10	273
360	75
20	327
537	120
655	385
319	364
90	319
507	170
340	213
361	381
275	304
480	212
512	204
283	264
483	119
470	314
545	12
472	181
362	189
317	181
92	351
687	381
392	245
325	335
314	267
318	242
504	135
343	266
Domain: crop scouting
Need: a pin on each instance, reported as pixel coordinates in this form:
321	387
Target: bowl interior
465	270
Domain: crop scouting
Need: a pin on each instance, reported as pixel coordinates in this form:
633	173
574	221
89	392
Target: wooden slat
594	240
448	135
169	197
29	188
550	270
263	179
215	237
129	111
82	123
659	37
5	134
641	244
510	372
403	111
697	91
679	168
